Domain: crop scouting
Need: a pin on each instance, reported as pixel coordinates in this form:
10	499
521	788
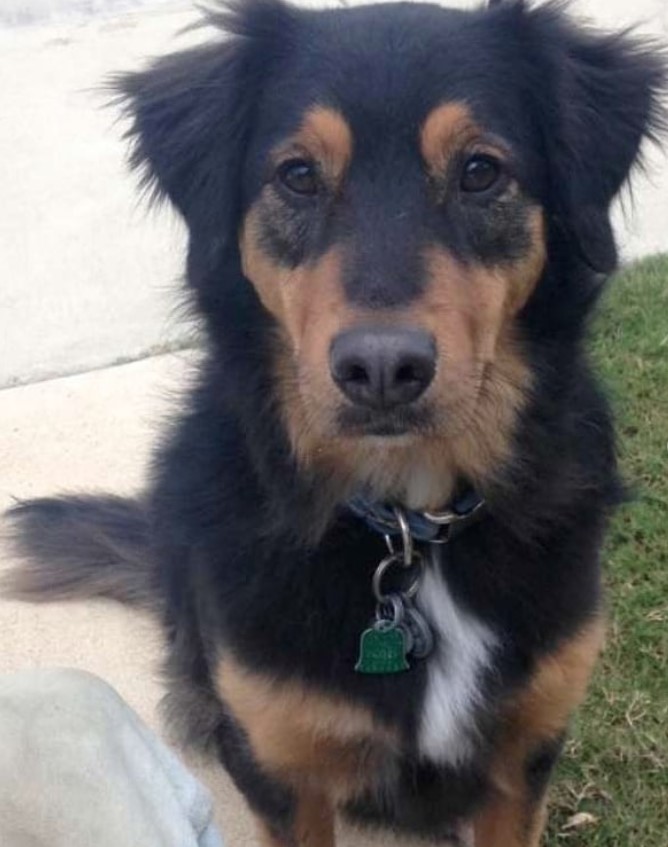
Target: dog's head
396	182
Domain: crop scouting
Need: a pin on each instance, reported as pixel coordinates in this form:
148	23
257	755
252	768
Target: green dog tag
382	650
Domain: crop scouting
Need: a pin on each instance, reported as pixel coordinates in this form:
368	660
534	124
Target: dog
373	535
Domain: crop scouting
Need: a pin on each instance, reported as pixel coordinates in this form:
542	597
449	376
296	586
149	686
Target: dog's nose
383	367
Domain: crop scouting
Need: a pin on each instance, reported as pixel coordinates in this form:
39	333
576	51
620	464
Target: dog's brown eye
299	176
480	173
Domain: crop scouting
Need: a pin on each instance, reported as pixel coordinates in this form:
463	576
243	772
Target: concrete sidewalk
89	276
87	432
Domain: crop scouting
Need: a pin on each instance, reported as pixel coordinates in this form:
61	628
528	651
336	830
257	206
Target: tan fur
449	128
540	713
315	820
325	137
311	740
307	301
314	824
506	822
559	684
477	393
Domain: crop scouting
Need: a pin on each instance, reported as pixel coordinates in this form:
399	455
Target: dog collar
430	527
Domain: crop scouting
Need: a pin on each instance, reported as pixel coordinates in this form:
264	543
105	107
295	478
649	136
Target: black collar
432	527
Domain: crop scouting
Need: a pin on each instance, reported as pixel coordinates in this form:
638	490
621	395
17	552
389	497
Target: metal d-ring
406	537
408	591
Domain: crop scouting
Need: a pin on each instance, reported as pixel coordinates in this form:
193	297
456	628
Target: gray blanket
79	768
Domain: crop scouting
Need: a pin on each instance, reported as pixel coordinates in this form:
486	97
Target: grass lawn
614	776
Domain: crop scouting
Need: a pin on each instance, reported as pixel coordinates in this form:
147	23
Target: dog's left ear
600	97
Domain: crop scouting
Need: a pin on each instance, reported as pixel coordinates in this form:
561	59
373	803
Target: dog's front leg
511	821
287	812
531	742
312	824
322	748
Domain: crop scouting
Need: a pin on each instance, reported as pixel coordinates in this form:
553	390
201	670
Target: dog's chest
464	650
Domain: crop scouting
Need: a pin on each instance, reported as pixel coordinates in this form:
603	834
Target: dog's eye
299	176
480	173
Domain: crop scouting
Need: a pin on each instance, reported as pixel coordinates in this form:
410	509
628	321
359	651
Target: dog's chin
381	440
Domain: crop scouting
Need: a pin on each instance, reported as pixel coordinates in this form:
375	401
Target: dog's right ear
188	121
190	113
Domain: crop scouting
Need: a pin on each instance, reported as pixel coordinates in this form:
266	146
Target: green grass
616	765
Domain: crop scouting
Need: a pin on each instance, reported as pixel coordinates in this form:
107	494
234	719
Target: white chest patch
464	650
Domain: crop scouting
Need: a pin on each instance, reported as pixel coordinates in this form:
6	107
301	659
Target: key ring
397	559
406	537
398	612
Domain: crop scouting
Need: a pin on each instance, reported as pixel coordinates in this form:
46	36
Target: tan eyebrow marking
449	128
326	137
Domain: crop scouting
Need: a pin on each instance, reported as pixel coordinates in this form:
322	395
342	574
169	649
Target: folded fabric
78	768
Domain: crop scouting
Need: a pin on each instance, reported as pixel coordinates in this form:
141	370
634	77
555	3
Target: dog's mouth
408	421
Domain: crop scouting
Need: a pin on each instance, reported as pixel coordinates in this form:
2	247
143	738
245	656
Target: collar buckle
448	519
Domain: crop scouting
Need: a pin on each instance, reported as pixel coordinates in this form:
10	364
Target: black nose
382	367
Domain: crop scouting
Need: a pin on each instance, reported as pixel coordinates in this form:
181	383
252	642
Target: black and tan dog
398	226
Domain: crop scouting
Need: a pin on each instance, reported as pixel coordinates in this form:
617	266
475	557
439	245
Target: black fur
230	518
541	763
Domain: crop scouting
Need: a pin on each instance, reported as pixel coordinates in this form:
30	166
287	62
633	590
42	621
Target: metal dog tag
382	650
421	636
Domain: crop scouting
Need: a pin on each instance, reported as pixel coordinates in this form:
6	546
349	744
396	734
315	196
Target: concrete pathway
89	277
